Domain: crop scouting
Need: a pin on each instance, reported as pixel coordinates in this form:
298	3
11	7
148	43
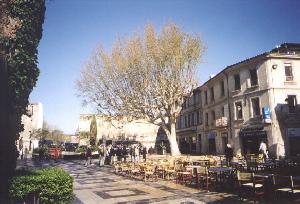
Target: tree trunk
172	139
4	133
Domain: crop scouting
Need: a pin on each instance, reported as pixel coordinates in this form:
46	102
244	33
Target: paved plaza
93	185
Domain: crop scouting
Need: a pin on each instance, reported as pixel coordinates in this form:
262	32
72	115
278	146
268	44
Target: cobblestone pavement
93	184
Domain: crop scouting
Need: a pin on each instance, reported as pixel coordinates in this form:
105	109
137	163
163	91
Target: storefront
251	140
212	142
187	144
294	140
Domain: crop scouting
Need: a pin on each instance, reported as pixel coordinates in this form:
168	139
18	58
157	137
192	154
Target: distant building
248	102
32	121
114	130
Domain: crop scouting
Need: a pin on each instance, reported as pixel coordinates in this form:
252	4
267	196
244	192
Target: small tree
144	77
40	134
93	131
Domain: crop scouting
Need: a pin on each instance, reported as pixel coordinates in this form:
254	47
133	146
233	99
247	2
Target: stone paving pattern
94	184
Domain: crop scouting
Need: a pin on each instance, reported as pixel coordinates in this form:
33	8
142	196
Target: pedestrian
26	153
228	154
102	154
136	154
124	153
88	156
144	151
131	152
263	150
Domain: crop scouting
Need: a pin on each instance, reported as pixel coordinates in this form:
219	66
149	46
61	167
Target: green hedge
50	185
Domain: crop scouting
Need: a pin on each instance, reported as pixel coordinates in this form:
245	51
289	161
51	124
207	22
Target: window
212	94
199	117
185	121
288	72
237	82
205	97
255	107
206	119
238	110
213	116
181	121
253	77
292	103
222	88
223	111
200	99
192	119
196	97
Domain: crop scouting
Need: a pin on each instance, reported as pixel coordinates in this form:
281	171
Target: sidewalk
94	184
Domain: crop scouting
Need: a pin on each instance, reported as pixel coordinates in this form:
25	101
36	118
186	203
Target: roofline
265	54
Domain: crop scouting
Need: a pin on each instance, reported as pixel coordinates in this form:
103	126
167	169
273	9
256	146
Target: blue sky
232	30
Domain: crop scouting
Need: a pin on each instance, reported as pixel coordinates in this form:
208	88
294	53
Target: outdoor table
204	162
221	174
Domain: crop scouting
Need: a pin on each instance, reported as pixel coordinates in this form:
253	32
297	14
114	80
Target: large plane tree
146	76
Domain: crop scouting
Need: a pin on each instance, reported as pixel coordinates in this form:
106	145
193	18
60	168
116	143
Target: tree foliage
20	32
93	131
145	76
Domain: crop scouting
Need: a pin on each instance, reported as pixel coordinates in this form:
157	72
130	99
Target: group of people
108	154
262	150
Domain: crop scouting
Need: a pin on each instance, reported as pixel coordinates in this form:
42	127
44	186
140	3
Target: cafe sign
266	114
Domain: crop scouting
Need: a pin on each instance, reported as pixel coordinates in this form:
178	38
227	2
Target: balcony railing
221	122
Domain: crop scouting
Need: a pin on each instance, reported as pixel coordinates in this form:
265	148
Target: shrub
50	185
81	149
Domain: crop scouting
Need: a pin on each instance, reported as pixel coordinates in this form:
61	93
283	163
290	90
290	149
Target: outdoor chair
135	171
125	168
282	186
161	168
171	171
149	172
250	186
205	179
184	176
295	185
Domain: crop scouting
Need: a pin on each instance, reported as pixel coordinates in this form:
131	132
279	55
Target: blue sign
266	114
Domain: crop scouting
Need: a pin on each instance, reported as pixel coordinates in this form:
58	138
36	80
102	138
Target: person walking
26	153
263	150
102	154
88	156
131	152
136	154
228	154
144	151
124	152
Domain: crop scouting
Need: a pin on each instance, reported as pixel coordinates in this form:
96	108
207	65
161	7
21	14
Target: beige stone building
188	122
252	101
115	130
32	121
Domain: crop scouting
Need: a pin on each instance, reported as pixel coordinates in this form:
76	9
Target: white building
114	130
32	121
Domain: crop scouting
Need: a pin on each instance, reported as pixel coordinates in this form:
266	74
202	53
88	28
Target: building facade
117	130
189	120
252	101
32	121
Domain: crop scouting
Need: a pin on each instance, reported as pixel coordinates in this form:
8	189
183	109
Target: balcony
221	122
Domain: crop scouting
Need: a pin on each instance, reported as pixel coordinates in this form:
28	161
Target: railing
221	122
